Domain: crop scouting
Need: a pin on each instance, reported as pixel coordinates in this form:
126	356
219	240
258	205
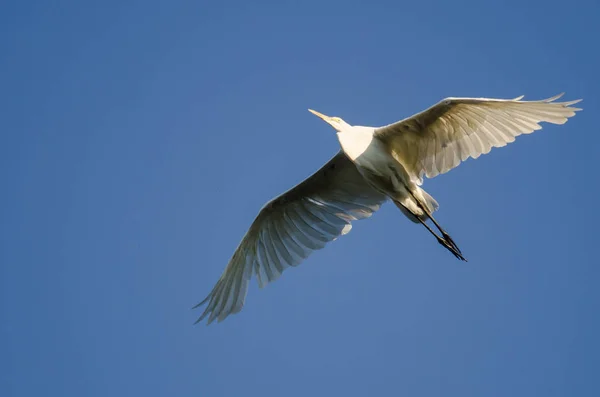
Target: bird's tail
430	202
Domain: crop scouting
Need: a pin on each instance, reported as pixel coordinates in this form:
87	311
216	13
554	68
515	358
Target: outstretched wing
290	227
440	138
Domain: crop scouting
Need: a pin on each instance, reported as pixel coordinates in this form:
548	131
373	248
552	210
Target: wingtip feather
554	98
203	302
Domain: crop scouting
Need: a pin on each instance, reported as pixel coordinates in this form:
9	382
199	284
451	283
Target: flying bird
374	165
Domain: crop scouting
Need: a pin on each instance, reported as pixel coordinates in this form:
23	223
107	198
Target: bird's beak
321	115
327	119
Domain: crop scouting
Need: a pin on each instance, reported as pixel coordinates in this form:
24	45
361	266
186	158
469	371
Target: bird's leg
444	233
442	241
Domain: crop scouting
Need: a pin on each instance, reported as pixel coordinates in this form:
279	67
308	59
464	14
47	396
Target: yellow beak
321	115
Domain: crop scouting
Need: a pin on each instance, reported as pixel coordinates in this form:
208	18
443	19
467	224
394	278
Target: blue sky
140	138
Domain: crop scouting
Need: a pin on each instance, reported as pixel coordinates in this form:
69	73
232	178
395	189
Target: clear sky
140	138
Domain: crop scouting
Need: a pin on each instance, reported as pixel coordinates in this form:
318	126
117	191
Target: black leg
443	241
446	236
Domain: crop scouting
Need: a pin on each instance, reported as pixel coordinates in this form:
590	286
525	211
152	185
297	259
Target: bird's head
335	122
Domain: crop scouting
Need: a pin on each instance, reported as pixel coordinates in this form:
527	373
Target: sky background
139	139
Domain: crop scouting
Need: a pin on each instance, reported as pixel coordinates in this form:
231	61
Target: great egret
374	165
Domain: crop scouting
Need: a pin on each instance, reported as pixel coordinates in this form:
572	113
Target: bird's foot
450	241
452	248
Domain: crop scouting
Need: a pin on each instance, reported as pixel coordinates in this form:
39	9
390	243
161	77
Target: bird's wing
290	227
440	138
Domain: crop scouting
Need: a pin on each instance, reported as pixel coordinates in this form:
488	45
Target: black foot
452	248
450	241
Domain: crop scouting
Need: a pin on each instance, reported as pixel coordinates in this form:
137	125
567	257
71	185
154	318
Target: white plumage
438	139
374	165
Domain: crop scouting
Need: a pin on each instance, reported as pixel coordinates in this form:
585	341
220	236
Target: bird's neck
355	140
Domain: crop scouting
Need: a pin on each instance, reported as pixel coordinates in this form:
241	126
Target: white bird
374	165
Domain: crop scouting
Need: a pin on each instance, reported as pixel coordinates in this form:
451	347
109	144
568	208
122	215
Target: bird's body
374	165
380	169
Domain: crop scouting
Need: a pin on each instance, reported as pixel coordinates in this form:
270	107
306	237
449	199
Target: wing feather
289	228
438	139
